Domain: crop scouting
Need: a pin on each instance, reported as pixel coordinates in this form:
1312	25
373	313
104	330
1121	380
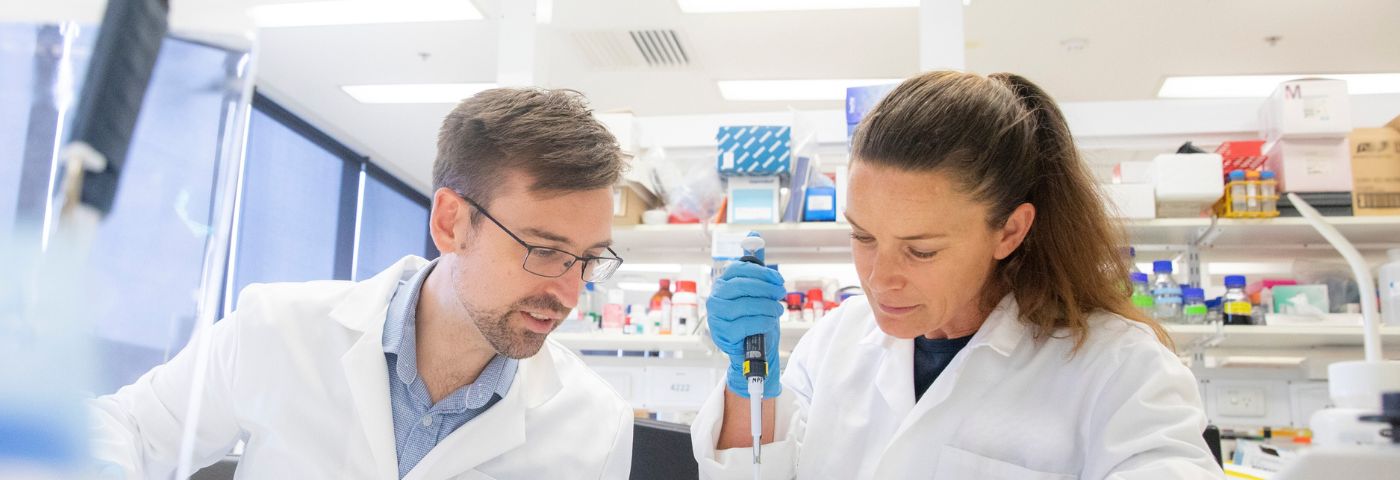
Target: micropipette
755	364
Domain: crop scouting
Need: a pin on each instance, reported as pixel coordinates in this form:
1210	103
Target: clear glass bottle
1132	260
1235	305
1193	306
1166	293
1142	295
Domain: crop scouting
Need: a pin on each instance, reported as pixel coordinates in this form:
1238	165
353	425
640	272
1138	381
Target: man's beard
514	341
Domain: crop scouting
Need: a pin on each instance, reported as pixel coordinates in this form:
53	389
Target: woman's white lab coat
299	372
1007	407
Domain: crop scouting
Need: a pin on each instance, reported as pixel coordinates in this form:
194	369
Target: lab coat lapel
979	366
368	376
366	371
499	429
894	375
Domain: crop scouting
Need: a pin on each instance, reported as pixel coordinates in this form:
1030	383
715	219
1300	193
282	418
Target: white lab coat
299	372
1007	407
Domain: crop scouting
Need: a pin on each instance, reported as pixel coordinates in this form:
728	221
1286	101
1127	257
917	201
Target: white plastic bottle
1390	289
685	308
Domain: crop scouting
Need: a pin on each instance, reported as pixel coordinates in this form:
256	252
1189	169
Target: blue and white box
754	150
859	102
821	204
753	199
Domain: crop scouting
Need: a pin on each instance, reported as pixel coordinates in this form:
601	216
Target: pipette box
754	150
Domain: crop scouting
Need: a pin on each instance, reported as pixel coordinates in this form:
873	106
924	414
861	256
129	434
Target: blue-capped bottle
1166	293
1193	306
1142	294
1236	305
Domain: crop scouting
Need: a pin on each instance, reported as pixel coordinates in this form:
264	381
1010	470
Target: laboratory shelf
1236	336
1257	233
829	242
1280	336
664	343
618	341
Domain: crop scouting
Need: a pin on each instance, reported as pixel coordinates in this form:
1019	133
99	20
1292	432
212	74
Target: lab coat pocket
955	463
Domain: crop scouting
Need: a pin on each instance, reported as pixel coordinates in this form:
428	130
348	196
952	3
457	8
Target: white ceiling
1131	46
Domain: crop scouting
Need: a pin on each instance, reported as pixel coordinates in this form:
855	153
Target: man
428	370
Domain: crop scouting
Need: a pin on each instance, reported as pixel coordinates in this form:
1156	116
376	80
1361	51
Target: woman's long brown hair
1005	142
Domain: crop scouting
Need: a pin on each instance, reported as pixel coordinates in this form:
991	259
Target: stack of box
753	158
1375	168
1305	125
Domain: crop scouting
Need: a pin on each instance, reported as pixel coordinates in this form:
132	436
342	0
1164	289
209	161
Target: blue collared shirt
419	425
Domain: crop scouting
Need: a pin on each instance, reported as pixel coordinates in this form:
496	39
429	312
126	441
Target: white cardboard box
1310	108
1311	165
1188	177
1187	184
1131	201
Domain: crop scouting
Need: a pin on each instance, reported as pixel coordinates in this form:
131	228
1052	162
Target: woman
995	338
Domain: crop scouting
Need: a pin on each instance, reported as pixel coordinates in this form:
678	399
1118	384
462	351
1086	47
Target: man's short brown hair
549	135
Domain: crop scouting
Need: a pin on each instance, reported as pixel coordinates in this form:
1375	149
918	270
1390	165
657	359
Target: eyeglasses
552	262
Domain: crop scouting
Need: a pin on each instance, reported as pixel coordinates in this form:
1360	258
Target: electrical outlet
1242	402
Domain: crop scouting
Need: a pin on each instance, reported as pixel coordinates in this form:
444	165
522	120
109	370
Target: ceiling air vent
621	49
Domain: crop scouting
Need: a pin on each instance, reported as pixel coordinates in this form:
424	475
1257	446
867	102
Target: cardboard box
1311	165
1131	201
820	204
754	150
1375	169
1187	184
1308	108
629	201
753	200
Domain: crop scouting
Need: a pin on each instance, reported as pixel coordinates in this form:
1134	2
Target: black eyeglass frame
530	250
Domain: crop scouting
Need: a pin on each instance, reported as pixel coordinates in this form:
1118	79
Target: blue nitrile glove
745	302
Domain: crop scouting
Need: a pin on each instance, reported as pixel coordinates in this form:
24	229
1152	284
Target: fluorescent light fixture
1245	86
732	6
788	90
360	12
416	92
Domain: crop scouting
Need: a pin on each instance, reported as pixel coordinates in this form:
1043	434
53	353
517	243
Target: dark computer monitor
661	450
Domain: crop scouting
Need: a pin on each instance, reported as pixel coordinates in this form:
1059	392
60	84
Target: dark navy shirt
931	356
